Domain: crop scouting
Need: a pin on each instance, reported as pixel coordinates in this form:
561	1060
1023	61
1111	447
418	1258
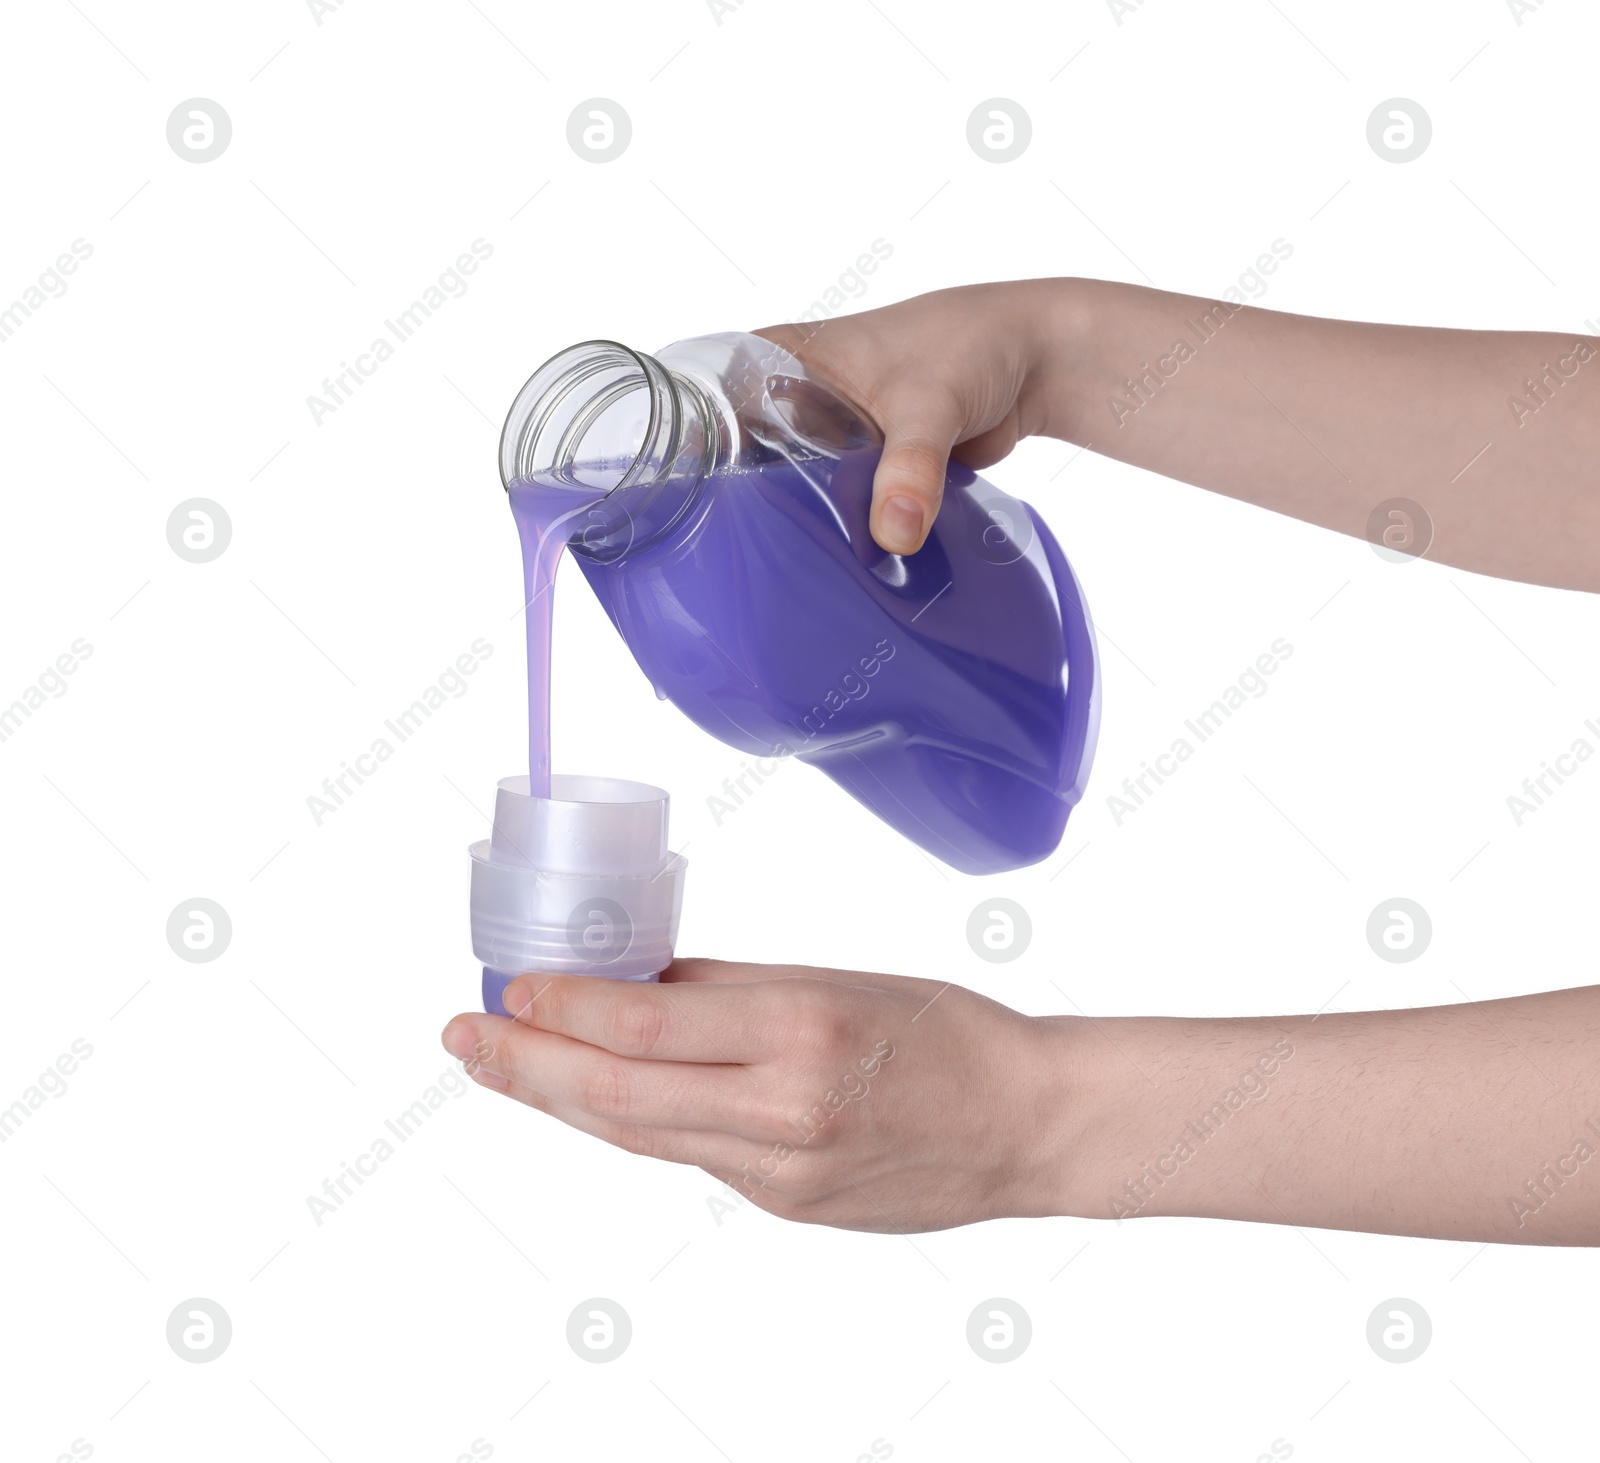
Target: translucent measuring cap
577	883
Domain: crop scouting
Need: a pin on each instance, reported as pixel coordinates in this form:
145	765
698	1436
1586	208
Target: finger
674	1145
691	970
789	337
708	1023
694	971
471	1037
987	448
723	1099
918	434
909	482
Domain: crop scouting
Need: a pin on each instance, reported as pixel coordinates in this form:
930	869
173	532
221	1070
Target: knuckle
511	1056
915	457
799	1183
483	1057
792	337
770	1118
604	1090
547	1007
775	1205
832	1129
636	1138
636	1023
816	1126
821	1026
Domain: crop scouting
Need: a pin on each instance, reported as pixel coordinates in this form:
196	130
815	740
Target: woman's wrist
1062	325
1078	1099
1138	1103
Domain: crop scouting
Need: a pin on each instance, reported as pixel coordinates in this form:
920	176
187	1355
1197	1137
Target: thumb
909	483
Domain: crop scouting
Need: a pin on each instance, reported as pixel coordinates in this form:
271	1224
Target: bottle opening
587	415
600	418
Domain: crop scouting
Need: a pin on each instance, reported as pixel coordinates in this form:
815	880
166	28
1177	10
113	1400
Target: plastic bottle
716	498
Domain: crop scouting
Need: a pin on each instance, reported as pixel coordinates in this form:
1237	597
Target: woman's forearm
1469	1122
1496	434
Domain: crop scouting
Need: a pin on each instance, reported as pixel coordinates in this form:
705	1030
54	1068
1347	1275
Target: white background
369	551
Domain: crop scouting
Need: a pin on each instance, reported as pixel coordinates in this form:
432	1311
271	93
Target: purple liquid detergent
716	498
547	516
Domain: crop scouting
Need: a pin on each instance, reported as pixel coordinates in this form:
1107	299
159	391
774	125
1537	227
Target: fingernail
900	525
458	1040
517	997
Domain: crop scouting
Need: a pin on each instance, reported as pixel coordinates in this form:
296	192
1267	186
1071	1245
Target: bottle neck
616	426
